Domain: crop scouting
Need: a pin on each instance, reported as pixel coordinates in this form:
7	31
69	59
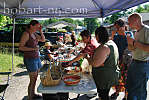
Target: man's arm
142	46
137	44
131	47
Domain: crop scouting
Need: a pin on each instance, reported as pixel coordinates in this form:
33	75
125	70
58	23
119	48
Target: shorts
32	64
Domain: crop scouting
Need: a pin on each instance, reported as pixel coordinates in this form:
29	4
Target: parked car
53	36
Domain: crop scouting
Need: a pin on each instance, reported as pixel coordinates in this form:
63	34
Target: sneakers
114	96
124	99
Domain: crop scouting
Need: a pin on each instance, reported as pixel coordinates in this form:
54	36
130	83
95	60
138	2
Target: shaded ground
17	89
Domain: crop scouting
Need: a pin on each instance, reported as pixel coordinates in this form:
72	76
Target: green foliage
79	23
62	30
69	20
139	9
52	20
142	9
45	22
91	24
9	20
49	21
115	16
81	60
3	21
146	8
23	20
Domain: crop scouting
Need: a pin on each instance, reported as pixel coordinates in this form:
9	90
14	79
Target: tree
139	9
69	20
53	20
49	21
91	24
146	8
23	20
115	16
142	9
79	23
3	21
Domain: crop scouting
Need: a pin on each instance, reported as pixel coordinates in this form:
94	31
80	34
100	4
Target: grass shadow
26	98
21	66
21	73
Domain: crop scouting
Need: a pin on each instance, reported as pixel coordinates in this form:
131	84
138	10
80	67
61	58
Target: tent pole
102	15
13	17
102	21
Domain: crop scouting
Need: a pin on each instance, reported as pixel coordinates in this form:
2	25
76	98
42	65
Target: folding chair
3	87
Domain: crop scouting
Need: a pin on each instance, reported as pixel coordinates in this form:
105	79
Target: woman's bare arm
100	56
24	39
40	37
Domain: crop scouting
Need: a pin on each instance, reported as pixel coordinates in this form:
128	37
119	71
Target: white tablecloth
85	86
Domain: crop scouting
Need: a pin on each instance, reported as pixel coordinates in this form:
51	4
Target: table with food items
60	78
76	84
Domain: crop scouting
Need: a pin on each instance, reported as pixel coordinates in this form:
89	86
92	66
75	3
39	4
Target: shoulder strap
110	54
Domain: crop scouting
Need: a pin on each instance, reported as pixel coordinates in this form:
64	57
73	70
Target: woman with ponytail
29	45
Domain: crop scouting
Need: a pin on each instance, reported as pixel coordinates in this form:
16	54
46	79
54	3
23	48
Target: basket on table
71	79
74	70
51	77
71	70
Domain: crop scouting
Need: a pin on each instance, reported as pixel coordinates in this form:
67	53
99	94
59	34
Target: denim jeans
138	75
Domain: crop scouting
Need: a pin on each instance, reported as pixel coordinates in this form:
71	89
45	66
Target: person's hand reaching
70	63
131	43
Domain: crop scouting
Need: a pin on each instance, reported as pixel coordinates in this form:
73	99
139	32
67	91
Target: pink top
90	47
31	43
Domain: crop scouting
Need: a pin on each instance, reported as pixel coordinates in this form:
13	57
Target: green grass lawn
6	62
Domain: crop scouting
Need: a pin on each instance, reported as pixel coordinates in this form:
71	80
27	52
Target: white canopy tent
63	8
